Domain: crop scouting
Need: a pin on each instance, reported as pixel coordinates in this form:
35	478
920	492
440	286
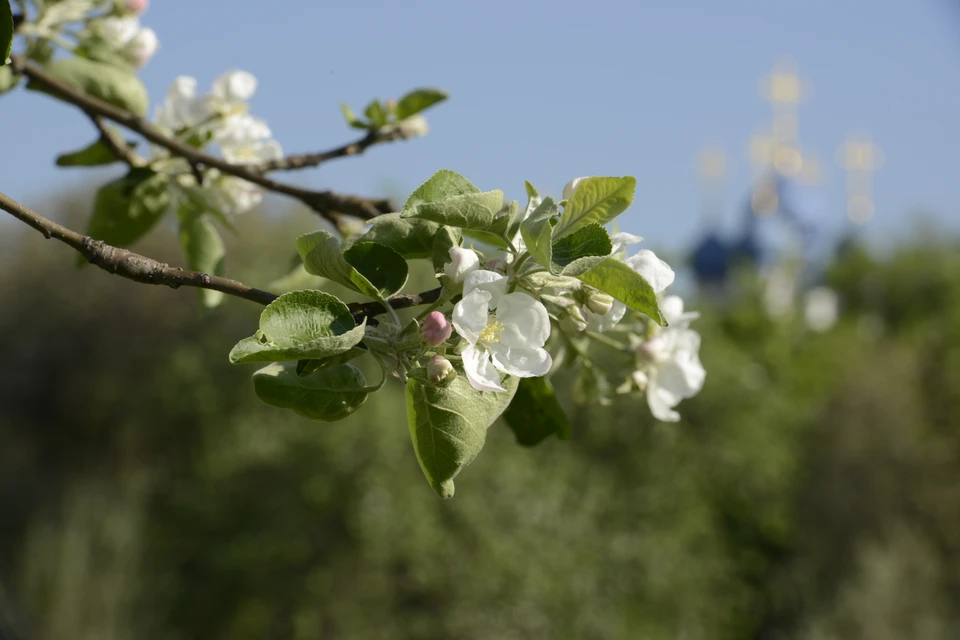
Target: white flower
820	309
234	87
182	108
669	365
143	46
245	139
462	263
505	331
234	195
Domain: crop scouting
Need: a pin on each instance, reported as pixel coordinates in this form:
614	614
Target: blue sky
547	91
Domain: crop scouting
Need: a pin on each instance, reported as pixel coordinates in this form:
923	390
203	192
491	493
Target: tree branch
140	268
128	264
401	301
327	203
115	142
306	160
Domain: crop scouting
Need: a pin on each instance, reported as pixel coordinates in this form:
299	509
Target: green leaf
352	118
596	200
467	211
376	113
448	425
533	201
323	396
306	367
537	231
626	285
98	48
202	248
370	268
410	237
127	208
442	184
382	267
95	154
301	325
508	213
111	83
577	253
536	414
6	31
417	101
446	239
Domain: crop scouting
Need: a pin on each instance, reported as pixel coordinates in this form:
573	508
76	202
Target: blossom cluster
219	117
115	26
503	324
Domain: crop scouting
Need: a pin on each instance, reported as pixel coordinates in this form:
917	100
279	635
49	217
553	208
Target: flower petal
672	309
480	372
470	315
235	86
526	323
661	402
654	270
523	363
490	281
623	239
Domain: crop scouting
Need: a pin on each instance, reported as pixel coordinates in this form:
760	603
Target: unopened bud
599	303
136	6
440	371
570	188
391	105
462	262
436	329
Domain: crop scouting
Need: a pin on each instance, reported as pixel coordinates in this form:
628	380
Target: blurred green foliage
810	492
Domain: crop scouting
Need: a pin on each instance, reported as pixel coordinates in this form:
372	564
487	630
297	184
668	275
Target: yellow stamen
491	332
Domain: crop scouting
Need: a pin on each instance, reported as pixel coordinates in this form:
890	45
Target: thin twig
115	142
140	268
307	160
326	203
128	264
402	301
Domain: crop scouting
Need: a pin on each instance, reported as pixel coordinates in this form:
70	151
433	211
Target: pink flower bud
436	329
439	370
136	6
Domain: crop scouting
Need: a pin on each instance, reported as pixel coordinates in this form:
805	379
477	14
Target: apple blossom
234	87
668	364
504	331
462	263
